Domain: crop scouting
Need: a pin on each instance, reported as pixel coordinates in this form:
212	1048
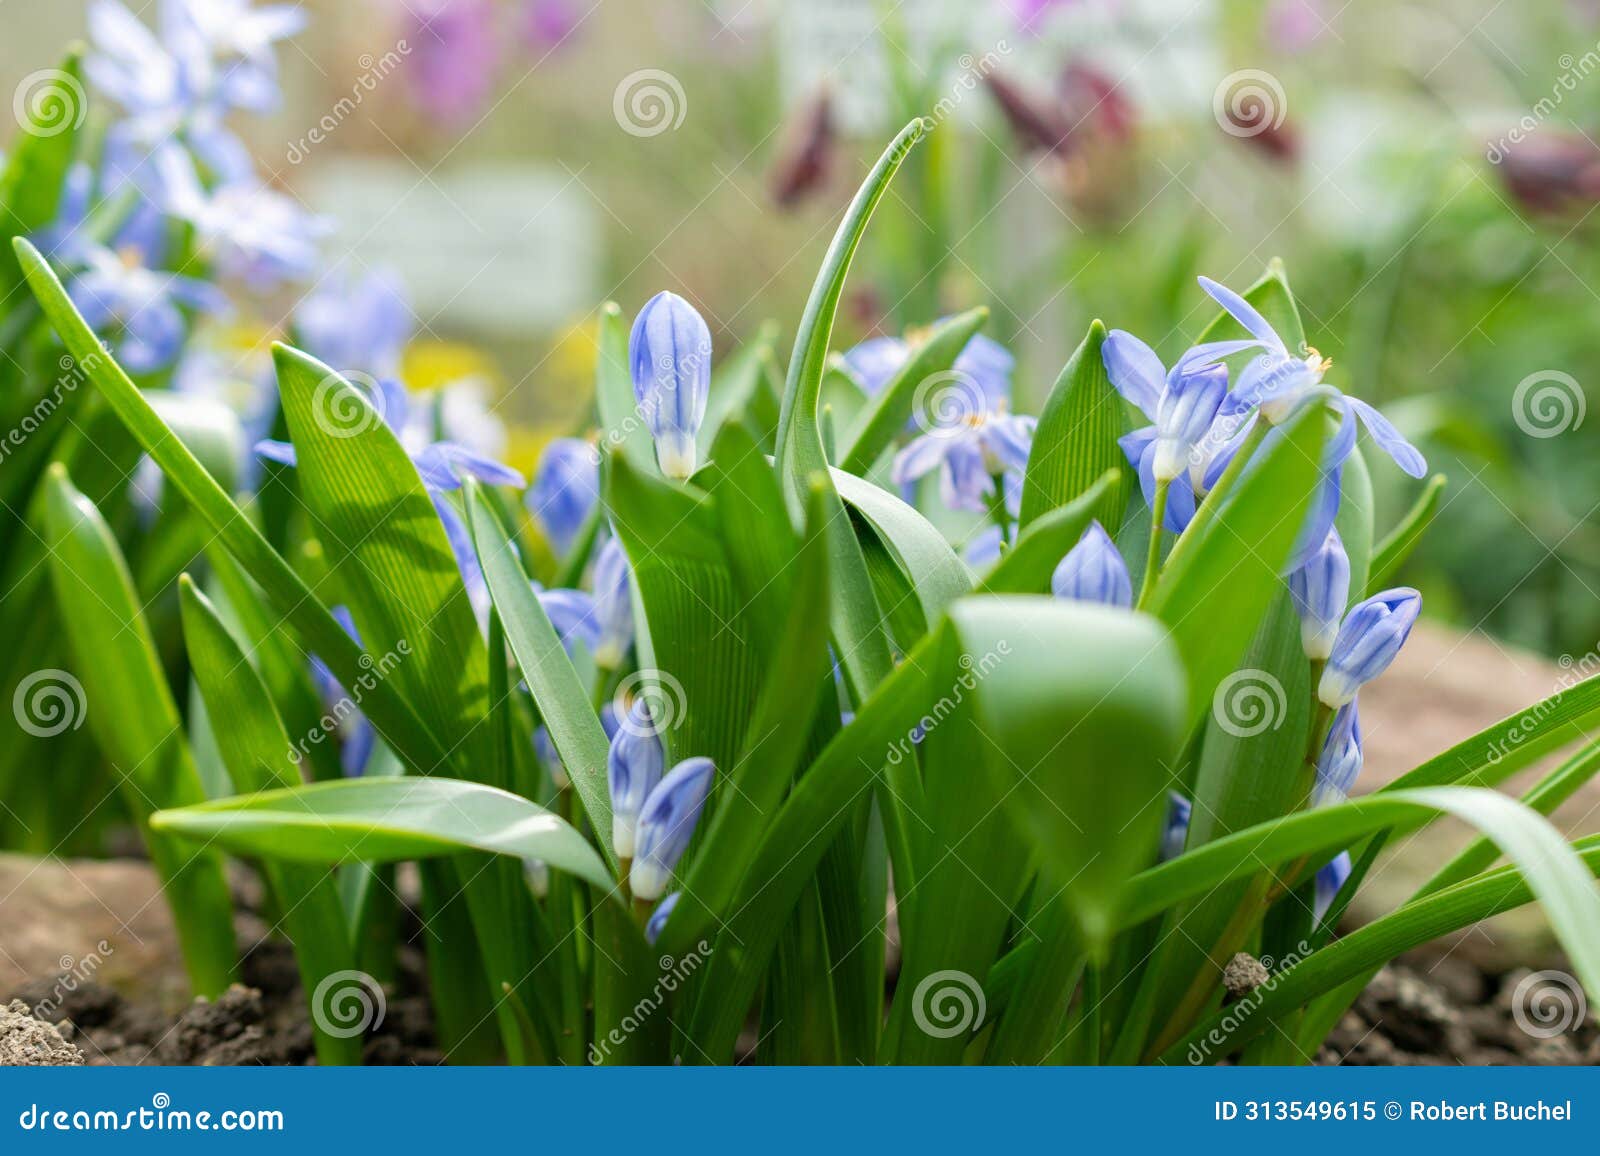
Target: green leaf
257	754
53	107
124	697
390	713
1224	571
876	427
1027	567
563	702
936	576
735	384
387	548
384	821
1076	440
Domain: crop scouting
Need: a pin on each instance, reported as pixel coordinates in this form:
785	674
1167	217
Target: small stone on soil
29	1042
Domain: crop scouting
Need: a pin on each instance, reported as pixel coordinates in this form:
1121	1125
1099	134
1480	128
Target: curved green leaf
1076	440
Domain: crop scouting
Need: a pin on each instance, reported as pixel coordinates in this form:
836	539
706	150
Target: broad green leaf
387	548
735	383
1076	440
563	703
257	753
927	369
121	691
936	576
386	820
393	716
1027	567
1224	571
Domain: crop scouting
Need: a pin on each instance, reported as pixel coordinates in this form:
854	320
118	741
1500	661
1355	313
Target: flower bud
1371	636
1093	571
666	823
613	605
1176	832
669	353
633	768
1341	757
564	490
658	917
1330	880
1184	415
1321	587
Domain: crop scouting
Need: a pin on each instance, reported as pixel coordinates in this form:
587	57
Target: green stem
997	510
1152	560
1208	505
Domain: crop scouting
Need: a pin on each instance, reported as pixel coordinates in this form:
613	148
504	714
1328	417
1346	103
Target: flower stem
998	512
1152	562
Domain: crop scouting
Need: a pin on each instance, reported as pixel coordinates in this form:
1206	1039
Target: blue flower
658	918
1330	880
969	454
565	489
1181	403
634	766
236	41
613	604
666	823
1277	381
982	361
1176	832
147	305
1340	761
1372	634
669	353
355	324
249	231
1093	571
1321	590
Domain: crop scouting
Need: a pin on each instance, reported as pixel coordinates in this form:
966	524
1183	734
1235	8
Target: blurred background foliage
1426	170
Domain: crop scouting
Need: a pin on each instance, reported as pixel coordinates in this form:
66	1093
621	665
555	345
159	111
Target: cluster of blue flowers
170	159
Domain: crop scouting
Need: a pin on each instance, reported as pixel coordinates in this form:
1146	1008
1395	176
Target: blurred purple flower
455	57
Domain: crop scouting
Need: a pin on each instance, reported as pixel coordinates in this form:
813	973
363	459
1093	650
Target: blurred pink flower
1294	25
547	23
455	56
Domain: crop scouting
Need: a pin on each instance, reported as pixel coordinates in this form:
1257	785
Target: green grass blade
1391	553
622	424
